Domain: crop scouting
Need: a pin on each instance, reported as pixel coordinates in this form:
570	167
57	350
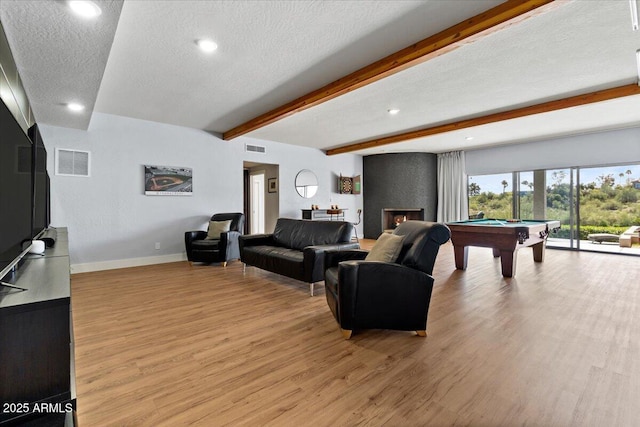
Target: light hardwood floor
172	345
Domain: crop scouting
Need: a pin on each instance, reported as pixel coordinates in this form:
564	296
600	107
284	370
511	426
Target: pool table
505	237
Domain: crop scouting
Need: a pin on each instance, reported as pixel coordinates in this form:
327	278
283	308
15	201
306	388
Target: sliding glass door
609	207
596	206
525	186
561	197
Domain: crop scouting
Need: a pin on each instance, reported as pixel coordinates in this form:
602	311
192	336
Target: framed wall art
272	185
168	181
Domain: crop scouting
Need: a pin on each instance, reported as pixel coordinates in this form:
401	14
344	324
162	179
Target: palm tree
558	177
504	185
474	189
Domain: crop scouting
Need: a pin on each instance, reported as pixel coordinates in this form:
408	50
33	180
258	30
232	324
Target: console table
36	341
324	214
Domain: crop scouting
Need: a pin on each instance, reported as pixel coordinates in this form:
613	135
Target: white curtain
452	187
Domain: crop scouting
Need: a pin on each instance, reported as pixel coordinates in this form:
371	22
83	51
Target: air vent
73	162
255	148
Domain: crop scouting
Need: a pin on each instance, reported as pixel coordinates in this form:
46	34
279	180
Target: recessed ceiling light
469	138
84	8
207	45
393	111
73	106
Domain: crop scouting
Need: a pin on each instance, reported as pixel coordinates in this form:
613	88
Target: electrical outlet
157	245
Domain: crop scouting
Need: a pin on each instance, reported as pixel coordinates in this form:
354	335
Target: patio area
587	245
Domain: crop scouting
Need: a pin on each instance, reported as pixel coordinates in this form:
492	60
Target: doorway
261	205
256	203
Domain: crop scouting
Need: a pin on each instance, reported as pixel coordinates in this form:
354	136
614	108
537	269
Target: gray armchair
202	249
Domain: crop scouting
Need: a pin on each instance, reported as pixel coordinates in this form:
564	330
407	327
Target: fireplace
392	217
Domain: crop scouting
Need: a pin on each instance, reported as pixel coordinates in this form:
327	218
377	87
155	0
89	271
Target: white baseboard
124	263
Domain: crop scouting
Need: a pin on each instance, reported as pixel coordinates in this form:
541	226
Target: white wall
292	159
595	149
113	224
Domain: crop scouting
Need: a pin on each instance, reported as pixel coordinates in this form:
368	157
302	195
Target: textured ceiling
139	59
580	47
270	52
60	57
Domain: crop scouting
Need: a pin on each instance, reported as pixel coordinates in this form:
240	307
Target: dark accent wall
398	180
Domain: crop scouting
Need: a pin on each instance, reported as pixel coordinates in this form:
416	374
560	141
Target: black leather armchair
200	249
385	295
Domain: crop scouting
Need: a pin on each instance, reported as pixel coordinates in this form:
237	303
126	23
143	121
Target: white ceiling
139	59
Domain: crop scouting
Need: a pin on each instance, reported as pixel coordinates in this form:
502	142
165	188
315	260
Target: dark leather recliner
385	295
200	249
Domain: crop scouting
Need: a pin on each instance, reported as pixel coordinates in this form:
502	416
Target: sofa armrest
313	259
332	258
255	240
374	274
189	237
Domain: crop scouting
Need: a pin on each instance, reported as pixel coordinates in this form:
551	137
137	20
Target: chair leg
421	333
346	333
311	288
244	267
224	263
190	263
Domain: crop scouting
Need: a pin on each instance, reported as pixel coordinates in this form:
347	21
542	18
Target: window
609	202
587	201
525	195
491	195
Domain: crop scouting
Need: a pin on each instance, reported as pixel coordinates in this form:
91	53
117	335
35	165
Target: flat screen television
16	191
40	218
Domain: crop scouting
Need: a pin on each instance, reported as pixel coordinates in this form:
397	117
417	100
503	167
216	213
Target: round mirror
306	183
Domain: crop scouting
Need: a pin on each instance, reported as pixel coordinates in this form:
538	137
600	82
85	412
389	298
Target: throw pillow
386	248
217	227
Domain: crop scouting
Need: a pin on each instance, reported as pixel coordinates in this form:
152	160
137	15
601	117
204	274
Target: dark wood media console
37	376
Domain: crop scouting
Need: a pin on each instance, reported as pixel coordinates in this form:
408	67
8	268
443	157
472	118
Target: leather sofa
386	295
296	248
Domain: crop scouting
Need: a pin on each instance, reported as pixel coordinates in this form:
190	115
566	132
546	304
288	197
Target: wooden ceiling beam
545	107
481	25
